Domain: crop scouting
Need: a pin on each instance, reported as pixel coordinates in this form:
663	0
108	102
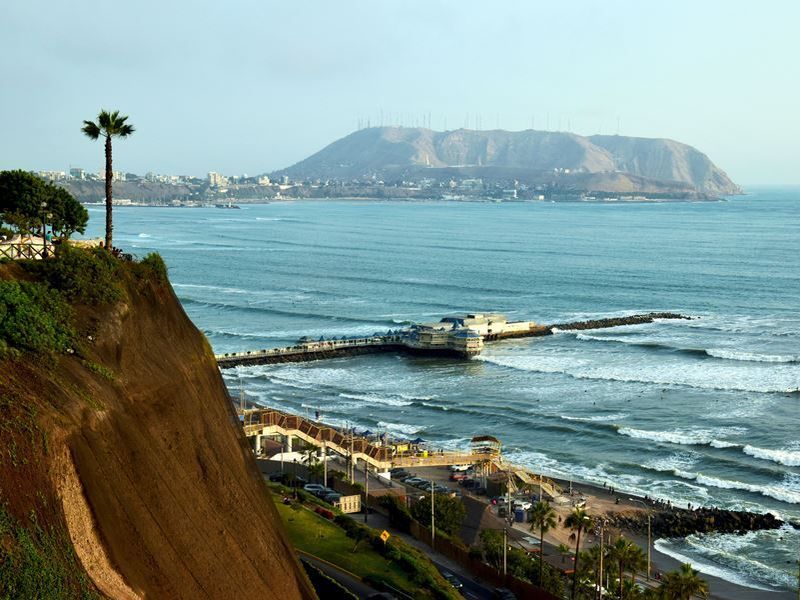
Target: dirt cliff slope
127	455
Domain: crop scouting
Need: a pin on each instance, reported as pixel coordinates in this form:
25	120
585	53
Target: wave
732	575
719	353
280	312
770	491
789	458
752	357
678	375
403	428
706	437
372	399
144	235
596	418
696	437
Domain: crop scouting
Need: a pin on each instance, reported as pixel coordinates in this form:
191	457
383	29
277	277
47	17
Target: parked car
499	500
504	594
458	476
413	480
523	504
332	497
453	580
460	467
313	488
441	489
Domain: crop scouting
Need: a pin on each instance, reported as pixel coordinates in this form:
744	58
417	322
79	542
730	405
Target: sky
254	86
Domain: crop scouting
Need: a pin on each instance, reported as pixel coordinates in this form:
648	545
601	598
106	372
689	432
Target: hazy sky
248	87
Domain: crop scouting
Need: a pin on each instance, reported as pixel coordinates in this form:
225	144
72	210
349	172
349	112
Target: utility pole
366	492
600	574
433	522
324	464
505	551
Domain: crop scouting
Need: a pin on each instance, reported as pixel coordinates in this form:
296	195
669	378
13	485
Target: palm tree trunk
621	578
575	566
109	175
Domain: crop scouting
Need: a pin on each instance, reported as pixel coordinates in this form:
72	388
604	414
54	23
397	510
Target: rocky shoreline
681	522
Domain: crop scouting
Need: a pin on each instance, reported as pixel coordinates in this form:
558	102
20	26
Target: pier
460	337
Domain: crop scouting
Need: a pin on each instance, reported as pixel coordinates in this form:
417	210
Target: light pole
366	491
433	524
600	574
505	551
649	535
44	230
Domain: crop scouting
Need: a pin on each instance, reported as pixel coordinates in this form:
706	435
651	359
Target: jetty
460	336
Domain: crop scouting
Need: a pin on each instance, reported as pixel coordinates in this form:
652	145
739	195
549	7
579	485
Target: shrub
152	267
85	276
32	318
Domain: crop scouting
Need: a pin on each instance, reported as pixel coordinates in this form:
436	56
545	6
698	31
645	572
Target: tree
578	520
492	542
67	215
108	125
25	199
626	555
563	550
683	584
21	197
543	518
450	513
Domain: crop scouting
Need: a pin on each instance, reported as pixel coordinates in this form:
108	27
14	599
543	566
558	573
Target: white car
455	468
523	504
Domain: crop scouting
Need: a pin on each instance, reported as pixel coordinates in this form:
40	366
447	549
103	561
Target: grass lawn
318	536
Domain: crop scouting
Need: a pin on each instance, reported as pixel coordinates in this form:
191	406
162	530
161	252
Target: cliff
606	163
123	469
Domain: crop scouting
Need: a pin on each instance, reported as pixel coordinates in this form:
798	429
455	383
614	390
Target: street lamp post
433	524
649	534
44	230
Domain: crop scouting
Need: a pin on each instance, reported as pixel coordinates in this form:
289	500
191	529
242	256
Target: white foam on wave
686	437
605	367
375	399
706	566
144	235
789	458
752	356
404	428
597	418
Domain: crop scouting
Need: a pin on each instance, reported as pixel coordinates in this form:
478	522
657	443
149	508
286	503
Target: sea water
701	411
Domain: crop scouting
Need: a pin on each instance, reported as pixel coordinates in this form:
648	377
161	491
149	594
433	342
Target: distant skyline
252	87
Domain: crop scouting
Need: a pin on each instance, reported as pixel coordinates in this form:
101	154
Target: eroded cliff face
129	452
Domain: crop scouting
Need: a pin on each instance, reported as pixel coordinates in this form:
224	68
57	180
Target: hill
123	470
602	163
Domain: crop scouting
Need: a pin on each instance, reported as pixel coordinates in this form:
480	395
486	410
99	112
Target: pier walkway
398	341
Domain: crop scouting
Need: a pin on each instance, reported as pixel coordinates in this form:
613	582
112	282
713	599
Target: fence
17	251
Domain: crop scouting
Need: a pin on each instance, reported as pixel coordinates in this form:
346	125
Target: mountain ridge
387	152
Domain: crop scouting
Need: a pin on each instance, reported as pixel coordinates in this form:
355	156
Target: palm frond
125	130
91	129
104	120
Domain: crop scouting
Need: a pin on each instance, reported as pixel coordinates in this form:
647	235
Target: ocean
701	411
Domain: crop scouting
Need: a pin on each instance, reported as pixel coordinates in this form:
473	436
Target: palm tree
108	124
683	584
624	553
577	521
563	550
543	518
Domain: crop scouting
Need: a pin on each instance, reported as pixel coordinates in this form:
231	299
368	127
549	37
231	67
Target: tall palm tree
108	125
578	520
683	584
623	552
543	518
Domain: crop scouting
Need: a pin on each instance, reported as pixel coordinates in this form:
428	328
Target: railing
309	347
21	250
